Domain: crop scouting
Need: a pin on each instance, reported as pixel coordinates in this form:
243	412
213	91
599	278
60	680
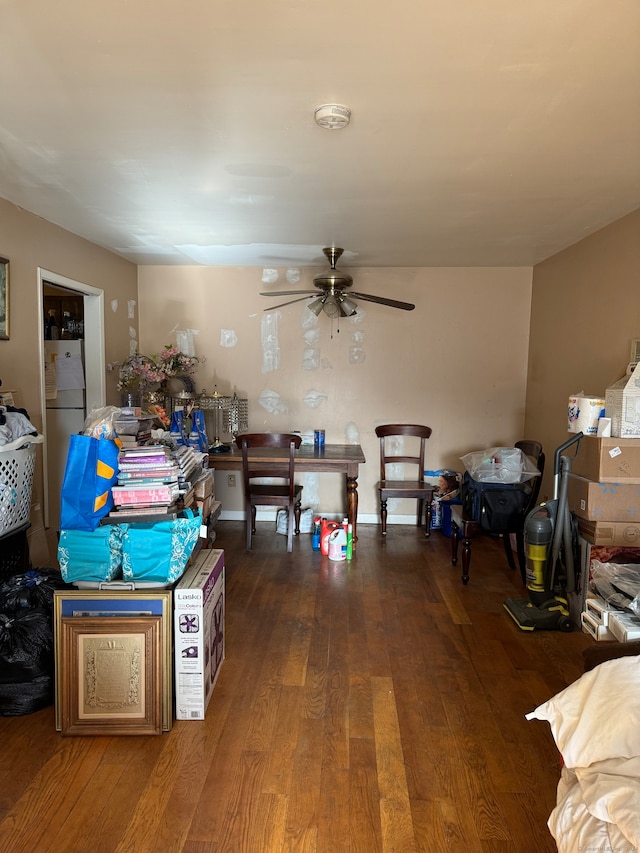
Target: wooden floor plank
363	707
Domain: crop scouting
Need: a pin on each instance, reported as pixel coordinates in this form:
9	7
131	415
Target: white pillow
611	792
598	716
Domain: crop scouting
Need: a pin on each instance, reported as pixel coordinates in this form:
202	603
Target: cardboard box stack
604	496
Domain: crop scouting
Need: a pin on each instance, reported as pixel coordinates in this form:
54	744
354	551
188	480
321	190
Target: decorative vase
131	398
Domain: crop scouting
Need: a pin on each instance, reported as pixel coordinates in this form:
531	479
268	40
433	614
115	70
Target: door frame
94	355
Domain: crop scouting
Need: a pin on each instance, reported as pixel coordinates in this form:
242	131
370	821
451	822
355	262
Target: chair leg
254	510
506	539
420	510
466	550
249	511
290	530
297	512
383	516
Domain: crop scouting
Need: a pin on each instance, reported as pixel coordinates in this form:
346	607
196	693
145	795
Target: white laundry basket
16	483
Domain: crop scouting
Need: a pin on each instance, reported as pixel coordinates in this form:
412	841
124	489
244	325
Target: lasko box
198	633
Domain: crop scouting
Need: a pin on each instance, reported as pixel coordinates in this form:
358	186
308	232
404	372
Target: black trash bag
26	697
26	646
32	589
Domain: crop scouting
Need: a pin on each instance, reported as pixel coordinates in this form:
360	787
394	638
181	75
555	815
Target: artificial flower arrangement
137	372
172	362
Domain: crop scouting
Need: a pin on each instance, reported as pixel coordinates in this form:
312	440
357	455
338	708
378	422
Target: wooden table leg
352	506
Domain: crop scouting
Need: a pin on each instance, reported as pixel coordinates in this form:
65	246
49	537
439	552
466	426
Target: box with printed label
622	404
610	532
608	460
603	501
624	626
199	599
598	609
595	628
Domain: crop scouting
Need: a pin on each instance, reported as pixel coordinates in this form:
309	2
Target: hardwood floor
371	706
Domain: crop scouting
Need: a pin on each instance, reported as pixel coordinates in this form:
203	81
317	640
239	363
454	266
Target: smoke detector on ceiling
332	116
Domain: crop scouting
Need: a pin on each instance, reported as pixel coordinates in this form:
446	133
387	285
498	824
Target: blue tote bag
158	552
91	470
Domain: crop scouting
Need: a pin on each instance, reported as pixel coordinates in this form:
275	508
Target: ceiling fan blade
288	292
382	300
291	301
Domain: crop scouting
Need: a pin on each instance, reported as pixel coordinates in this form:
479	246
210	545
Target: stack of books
189	463
147	483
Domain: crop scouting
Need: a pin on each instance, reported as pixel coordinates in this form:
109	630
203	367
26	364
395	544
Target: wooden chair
389	435
279	466
468	528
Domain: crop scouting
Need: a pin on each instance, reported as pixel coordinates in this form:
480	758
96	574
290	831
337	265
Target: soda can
318	438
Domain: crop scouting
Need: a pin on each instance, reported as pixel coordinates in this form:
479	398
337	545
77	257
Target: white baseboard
363	518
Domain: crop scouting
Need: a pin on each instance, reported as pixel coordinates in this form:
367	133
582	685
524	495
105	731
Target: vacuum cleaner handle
559	450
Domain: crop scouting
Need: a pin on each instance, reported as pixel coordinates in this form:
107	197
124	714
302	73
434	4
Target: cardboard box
608	460
610	532
198	633
603	501
622	404
624	626
203	486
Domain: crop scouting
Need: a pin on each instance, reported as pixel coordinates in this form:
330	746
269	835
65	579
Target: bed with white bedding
595	723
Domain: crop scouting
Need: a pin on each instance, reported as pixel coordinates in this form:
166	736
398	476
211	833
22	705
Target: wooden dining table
332	458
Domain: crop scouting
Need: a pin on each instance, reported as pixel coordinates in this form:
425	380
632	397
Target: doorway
87	301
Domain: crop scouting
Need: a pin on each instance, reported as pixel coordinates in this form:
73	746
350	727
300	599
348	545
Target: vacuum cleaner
549	546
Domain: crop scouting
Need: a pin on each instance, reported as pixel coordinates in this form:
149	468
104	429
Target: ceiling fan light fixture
331	307
348	307
332	116
316	305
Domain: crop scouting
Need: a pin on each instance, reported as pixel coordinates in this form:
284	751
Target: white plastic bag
306	521
500	465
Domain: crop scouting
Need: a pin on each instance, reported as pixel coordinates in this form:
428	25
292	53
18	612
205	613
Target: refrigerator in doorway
65	413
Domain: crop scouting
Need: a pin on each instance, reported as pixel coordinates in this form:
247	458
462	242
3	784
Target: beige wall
30	242
457	363
585	313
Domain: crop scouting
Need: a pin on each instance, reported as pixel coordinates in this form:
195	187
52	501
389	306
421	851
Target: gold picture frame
111	679
4	299
109	604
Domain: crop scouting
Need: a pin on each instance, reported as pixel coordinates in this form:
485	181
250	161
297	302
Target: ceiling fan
332	285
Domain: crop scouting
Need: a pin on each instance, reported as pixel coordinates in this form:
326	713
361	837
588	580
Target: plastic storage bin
16	483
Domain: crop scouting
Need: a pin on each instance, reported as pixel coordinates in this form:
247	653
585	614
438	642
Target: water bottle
315	535
436	515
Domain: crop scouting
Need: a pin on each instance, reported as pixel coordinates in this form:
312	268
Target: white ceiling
492	133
